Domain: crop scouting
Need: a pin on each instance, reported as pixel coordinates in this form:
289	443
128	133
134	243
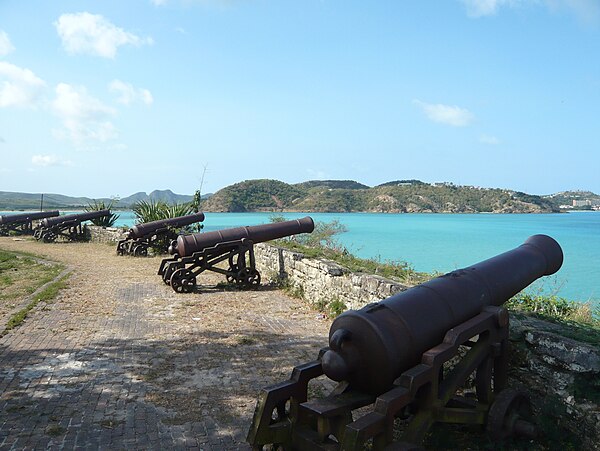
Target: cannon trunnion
22	223
199	252
156	234
436	352
70	227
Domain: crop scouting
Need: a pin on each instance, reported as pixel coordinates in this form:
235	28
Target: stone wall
106	234
561	374
321	281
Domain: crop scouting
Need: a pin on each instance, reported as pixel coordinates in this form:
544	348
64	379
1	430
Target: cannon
199	252
156	234
70	227
434	353
22	223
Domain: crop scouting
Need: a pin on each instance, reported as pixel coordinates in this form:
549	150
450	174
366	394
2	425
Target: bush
323	236
105	221
321	243
157	210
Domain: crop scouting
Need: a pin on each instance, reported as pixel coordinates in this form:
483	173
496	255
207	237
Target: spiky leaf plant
104	221
148	211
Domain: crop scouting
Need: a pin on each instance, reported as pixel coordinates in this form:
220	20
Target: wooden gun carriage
199	252
71	227
22	223
156	234
435	353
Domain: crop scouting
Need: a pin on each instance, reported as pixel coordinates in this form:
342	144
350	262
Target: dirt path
120	361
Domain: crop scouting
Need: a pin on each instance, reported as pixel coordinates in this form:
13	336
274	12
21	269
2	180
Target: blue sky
107	98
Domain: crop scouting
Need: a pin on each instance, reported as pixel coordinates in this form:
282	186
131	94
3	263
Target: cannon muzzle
371	347
26	217
188	244
50	222
145	229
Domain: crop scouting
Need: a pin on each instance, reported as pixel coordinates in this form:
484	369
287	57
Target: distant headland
399	196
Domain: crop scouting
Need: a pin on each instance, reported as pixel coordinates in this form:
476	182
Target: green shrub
156	210
105	221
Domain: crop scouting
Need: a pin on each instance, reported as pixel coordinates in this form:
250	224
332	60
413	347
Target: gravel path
120	361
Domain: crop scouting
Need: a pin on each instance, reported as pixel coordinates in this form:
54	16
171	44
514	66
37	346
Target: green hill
565	199
27	201
402	196
342	184
255	195
399	196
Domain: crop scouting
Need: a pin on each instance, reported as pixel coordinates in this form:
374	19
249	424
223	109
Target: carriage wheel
140	251
232	272
509	416
248	277
121	248
48	237
183	281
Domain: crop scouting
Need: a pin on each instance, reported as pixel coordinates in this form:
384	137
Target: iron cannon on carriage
71	227
199	252
435	353
22	223
156	234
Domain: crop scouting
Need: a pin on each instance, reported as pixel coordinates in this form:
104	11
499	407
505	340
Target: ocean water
443	242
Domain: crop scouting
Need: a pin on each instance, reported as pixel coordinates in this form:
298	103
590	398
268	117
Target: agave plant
104	221
156	210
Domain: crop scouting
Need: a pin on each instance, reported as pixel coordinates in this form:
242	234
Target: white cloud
19	87
86	33
158	2
446	114
5	45
85	118
129	94
488	139
44	160
49	160
587	11
479	8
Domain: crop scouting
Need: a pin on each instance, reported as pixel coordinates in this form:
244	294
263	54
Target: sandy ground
119	360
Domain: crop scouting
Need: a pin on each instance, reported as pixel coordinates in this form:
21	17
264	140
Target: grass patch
395	270
21	274
46	295
578	320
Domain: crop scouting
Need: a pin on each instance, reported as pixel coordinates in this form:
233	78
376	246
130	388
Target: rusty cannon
22	223
70	227
199	252
156	234
435	353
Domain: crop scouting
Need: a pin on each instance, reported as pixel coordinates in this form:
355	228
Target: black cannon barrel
188	244
29	216
371	347
50	222
140	230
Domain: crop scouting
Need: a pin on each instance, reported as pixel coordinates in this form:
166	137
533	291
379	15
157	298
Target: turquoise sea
443	242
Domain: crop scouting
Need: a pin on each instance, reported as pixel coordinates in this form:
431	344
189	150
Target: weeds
46	295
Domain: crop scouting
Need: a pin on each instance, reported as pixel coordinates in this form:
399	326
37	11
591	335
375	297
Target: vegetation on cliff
402	196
